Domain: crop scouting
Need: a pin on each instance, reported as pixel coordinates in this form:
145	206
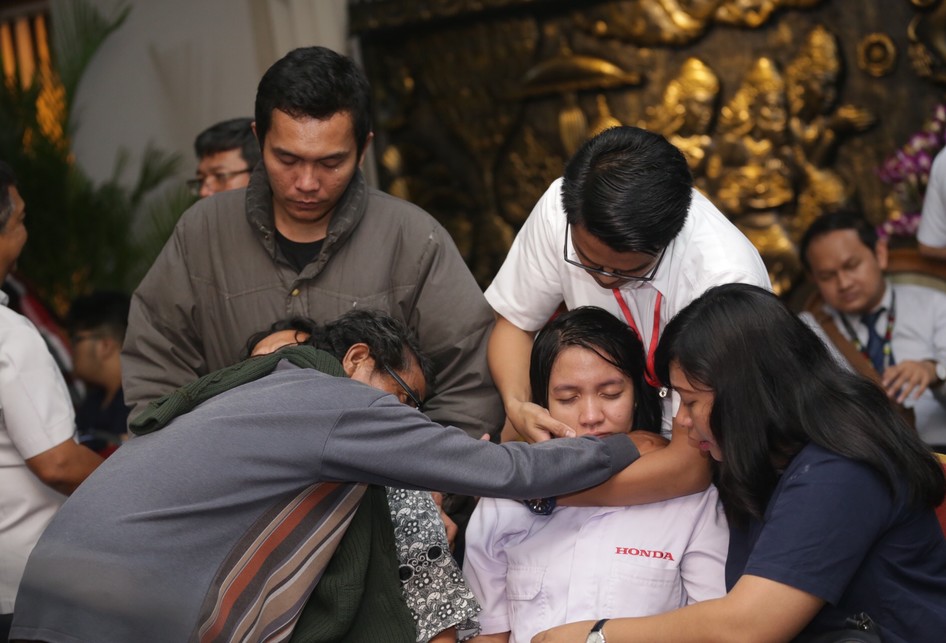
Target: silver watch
596	635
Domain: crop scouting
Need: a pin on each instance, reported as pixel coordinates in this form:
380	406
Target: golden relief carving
755	13
927	36
876	54
687	110
676	22
567	76
747	172
817	128
648	22
483	111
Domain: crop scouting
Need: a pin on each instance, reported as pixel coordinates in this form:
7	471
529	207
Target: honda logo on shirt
645	553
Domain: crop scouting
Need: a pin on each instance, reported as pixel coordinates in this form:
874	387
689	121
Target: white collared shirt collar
854	319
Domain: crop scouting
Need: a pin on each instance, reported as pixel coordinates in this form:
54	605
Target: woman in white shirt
532	571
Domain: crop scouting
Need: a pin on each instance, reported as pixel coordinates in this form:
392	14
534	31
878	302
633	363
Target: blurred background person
893	333
226	154
39	458
97	324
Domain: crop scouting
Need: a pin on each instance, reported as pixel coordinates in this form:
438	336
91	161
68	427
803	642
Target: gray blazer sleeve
390	444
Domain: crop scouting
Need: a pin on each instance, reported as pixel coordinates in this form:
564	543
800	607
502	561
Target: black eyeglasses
604	273
220	180
415	399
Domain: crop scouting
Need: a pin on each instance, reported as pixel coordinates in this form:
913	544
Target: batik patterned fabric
433	584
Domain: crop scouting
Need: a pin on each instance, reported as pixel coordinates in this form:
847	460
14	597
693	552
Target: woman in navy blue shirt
829	493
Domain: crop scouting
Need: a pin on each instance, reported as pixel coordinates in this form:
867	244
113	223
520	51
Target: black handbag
860	628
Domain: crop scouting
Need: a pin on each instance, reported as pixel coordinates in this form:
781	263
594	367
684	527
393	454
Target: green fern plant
81	233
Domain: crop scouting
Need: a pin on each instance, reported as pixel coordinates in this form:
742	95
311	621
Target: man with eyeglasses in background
226	155
623	230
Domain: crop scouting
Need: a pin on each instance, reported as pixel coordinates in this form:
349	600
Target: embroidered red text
646	553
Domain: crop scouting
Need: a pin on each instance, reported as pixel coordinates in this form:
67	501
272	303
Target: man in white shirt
624	230
932	232
39	458
898	330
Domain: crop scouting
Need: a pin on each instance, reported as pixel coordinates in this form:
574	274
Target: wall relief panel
784	108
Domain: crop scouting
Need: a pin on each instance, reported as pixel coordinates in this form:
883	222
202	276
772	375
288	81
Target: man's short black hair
236	133
7	181
104	311
831	222
630	188
315	82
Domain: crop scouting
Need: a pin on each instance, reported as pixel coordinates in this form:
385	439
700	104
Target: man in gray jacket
314	240
217	523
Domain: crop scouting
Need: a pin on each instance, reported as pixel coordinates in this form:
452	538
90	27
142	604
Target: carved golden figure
754	13
750	179
927	35
686	111
605	119
816	128
649	22
567	75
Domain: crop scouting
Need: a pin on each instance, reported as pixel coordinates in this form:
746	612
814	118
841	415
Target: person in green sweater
441	602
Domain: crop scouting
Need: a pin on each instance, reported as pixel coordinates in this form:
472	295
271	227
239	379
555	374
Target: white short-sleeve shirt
36	415
919	333
932	230
533	572
534	279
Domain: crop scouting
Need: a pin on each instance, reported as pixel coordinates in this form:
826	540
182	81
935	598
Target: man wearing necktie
900	329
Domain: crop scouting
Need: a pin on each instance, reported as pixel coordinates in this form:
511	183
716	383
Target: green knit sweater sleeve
160	412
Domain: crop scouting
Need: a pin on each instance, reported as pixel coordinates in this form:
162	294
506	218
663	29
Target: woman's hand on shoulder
646	442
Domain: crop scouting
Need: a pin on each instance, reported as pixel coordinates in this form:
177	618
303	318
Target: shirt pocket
642	590
524	594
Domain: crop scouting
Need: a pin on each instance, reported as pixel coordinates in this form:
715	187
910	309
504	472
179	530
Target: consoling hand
535	424
645	441
568	633
900	380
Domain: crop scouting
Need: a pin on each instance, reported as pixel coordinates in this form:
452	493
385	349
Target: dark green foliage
82	234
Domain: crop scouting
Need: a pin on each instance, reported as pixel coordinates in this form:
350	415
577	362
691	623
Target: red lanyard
649	374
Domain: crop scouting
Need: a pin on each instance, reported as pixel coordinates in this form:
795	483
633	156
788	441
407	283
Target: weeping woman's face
590	394
696	404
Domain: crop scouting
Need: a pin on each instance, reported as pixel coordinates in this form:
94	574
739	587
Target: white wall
178	66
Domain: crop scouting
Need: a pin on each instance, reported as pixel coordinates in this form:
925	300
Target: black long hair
776	388
599	331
